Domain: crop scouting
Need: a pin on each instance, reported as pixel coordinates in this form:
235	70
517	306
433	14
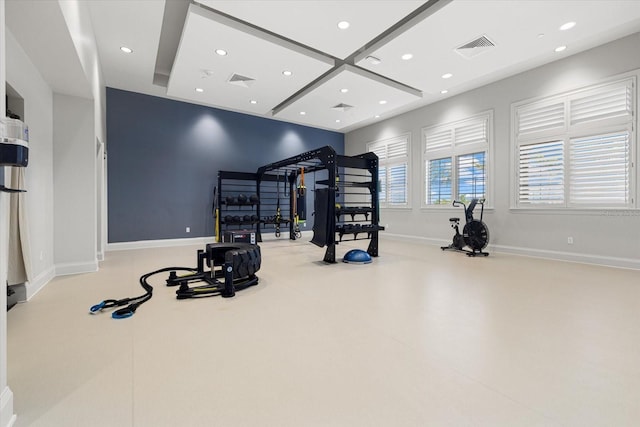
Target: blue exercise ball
357	256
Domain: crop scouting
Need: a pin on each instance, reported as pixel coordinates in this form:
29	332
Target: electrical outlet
570	240
188	229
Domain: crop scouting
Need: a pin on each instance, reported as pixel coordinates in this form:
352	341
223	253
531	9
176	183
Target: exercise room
314	213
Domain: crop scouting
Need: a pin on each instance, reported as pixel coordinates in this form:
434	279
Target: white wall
74	185
78	20
599	236
6	395
38	103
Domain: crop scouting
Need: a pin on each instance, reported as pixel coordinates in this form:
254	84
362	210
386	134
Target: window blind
606	102
600	169
539	117
471	176
397	149
397	185
382	183
471	133
541	173
438	140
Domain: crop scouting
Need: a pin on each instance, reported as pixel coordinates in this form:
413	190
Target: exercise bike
475	233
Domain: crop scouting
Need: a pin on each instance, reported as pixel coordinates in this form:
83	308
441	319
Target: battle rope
133	302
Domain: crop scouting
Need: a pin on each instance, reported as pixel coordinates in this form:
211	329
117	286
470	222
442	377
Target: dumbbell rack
232	213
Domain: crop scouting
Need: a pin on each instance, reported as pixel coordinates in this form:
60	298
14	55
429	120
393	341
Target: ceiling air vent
475	47
342	107
238	80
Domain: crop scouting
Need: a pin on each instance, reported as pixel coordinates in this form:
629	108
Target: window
455	159
393	170
575	150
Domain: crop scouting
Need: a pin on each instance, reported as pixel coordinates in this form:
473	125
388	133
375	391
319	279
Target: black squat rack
345	198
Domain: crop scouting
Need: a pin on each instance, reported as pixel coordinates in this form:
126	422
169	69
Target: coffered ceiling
390	56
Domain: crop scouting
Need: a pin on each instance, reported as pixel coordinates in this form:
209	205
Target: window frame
374	146
454	151
569	132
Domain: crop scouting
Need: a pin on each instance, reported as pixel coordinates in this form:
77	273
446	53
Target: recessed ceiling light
373	60
377	116
221	52
337	120
443	91
343	25
253	101
541	35
302	113
287	73
407	56
567	26
344	90
382	102
560	48
126	49
447	76
199	89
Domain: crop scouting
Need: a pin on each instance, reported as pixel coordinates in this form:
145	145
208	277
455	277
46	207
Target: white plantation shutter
607	102
382	183
454	158
397	149
380	150
471	176
397	184
600	170
438	140
541	173
393	157
583	160
540	117
472	133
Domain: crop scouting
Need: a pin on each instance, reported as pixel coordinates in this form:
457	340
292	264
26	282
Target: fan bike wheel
476	235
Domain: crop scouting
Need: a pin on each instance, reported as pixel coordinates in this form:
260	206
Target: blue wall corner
163	158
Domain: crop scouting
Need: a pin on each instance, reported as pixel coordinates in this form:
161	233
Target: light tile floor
420	337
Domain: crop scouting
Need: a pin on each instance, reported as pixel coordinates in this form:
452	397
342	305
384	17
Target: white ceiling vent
342	107
475	47
238	80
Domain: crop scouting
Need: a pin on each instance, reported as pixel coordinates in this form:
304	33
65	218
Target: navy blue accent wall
164	157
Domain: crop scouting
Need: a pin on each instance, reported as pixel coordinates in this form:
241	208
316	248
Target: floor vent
239	80
475	47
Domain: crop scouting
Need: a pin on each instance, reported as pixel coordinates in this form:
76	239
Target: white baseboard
536	253
7	417
34	286
569	256
65	269
145	244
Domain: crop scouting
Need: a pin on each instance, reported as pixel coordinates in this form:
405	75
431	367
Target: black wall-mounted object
14	152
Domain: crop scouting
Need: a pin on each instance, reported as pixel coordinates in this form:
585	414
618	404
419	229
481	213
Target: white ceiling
198	66
265	37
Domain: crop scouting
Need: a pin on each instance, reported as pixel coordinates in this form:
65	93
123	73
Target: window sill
577	211
449	208
396	208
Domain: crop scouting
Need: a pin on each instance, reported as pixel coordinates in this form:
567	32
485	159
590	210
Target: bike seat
454	219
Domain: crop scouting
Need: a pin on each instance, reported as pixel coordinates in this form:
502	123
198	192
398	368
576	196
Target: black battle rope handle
133	302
